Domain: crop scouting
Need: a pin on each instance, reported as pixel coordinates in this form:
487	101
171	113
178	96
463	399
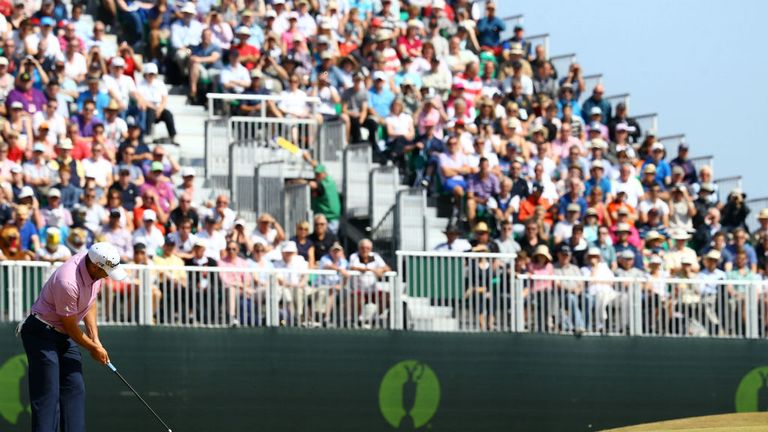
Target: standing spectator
118	236
673	259
740	243
481	187
596	100
368	262
325	196
735	210
571	292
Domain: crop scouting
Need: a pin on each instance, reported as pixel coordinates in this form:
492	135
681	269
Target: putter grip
111	367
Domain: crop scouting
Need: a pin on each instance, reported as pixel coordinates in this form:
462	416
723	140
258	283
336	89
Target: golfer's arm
90	324
73	331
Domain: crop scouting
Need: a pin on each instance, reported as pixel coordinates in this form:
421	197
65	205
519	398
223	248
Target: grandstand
446	129
357	165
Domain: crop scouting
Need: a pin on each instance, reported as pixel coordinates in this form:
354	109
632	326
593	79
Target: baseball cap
289	247
17	105
713	254
199	243
650	168
150	69
319	169
53	193
379	75
240	221
117	62
189	8
707	186
38	147
623	227
243	30
573	207
187	172
627	254
47	21
655	259
16	169
26	192
107	258
3	61
595	111
115	213
481	227
156	166
657	146
564	249
149	215
170	239
593	251
337	246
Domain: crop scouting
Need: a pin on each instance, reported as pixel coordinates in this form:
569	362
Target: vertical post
751	312
273	313
146	304
396	308
517	304
17	288
635	310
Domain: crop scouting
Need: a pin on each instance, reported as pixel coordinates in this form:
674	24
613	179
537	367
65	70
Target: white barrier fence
220	296
431	291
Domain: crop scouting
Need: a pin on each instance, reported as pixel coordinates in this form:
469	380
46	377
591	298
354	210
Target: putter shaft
114	369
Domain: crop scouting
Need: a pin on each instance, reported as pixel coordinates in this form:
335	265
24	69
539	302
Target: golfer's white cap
107	258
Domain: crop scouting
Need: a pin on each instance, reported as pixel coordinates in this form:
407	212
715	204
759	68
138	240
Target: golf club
114	369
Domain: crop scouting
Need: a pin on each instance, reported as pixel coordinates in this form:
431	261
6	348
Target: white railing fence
220	296
431	291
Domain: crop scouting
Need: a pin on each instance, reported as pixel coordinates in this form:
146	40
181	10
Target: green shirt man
325	195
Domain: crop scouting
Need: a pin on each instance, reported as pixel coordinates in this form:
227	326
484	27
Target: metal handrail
249	97
623	97
654	120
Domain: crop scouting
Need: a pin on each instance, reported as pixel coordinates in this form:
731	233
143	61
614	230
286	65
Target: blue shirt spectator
596	100
489	29
380	97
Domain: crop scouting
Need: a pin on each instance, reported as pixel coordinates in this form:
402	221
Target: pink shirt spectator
70	291
233	278
164	191
561	149
541	270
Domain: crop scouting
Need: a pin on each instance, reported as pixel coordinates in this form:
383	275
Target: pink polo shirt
69	291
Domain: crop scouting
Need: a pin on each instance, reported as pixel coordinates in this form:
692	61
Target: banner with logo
321	380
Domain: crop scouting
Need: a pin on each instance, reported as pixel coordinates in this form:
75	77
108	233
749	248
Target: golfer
51	334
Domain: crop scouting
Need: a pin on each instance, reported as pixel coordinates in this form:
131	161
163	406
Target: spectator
186	33
454	170
149	234
305	247
325	195
572	291
293	282
322	238
268	232
53	251
740	238
481	187
204	63
235	78
117	235
506	242
600	294
155	95
735	211
682	161
368	262
214	239
596	100
629	124
674	258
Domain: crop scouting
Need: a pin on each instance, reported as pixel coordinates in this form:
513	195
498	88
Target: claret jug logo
13	384
409	395
752	394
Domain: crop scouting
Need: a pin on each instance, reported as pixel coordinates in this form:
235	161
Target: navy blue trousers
56	386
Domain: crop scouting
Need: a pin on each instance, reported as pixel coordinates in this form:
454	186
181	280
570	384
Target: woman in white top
400	129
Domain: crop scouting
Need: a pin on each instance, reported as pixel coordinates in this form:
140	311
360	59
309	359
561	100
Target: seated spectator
681	210
115	233
596	100
155	96
293	282
149	234
563	229
204	63
454	170
322	238
621	242
186	34
304	245
368	262
53	251
571	290
673	259
235	78
600	294
481	187
268	232
215	241
663	169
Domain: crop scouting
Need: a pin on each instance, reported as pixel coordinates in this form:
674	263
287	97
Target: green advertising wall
316	380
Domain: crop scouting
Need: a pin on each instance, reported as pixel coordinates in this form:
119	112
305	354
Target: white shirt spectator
60	253
215	242
645	205
53	48
459	245
632	187
237	72
153	239
115	130
402	123
326	95
100	169
186	35
306	25
75	67
57	124
123	86
95	215
298	265
152	92
108	48
267	239
185	246
293	103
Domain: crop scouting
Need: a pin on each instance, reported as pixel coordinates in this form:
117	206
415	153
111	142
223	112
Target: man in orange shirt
528	205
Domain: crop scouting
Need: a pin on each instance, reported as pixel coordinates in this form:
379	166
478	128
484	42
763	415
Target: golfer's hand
100	355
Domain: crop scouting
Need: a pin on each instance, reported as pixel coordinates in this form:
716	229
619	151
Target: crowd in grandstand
432	86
